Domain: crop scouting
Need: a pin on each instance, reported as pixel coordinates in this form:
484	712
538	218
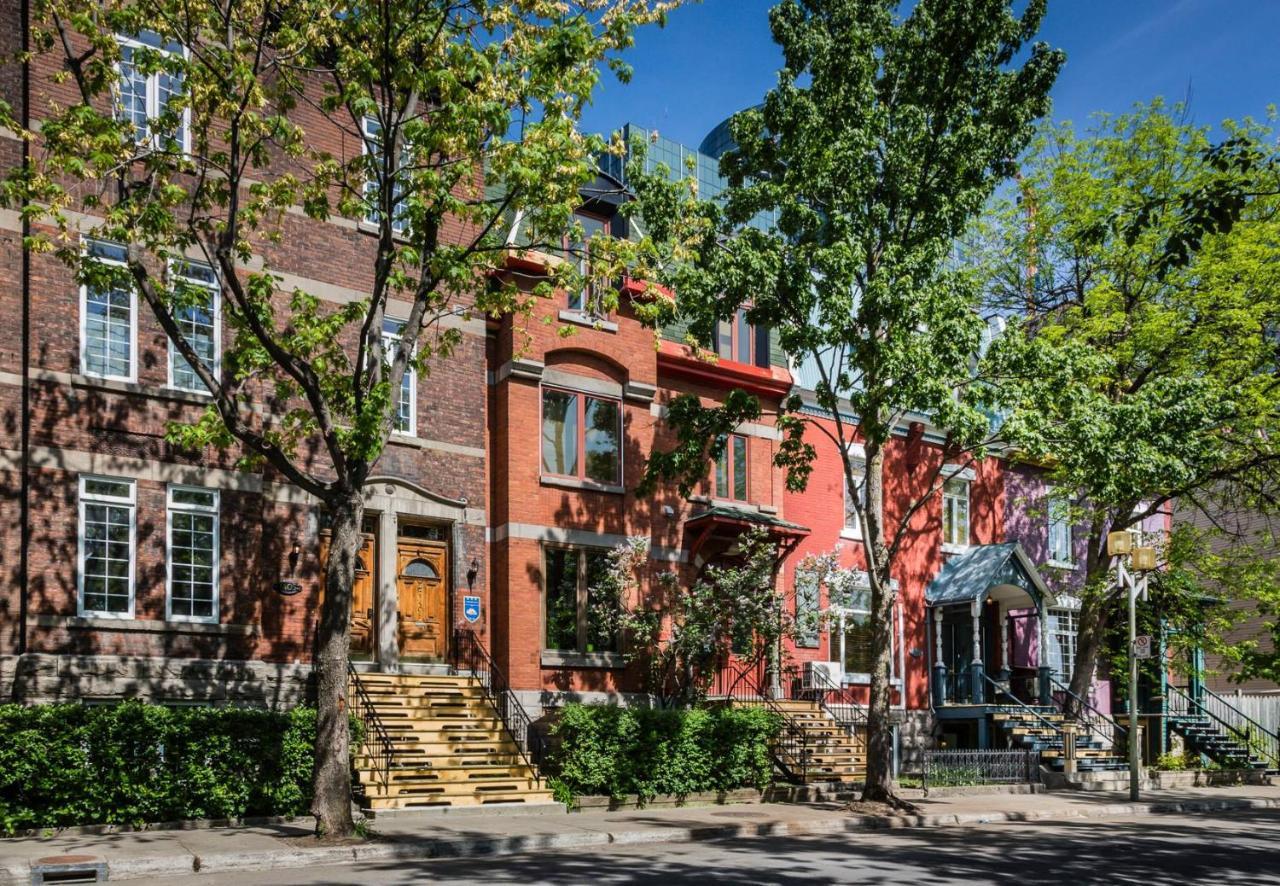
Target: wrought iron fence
968	768
470	655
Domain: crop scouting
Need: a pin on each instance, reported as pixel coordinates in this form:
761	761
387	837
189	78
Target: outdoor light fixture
472	571
1144	559
1119	543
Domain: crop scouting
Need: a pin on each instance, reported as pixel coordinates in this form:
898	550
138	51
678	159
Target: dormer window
741	341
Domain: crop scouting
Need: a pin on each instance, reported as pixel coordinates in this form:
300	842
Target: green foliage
955	776
134	763
616	751
1177	762
684	633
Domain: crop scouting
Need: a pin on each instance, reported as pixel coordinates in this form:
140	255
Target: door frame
445	544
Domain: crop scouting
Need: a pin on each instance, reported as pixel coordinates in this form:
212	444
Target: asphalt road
1230	848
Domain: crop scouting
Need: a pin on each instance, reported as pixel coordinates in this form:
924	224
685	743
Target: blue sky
717	57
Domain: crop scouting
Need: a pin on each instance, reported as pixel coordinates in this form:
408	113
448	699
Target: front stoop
451	748
833	754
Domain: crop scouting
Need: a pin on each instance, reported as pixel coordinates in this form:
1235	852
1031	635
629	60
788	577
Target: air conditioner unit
823	674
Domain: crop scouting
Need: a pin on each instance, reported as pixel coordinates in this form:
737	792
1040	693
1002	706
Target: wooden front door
422	582
362	592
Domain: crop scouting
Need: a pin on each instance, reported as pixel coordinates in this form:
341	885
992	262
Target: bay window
581	436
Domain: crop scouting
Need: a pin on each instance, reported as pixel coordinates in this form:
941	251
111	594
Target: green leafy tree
683	633
889	129
454	116
1139	261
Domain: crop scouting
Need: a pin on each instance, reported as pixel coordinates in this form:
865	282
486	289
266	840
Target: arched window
419	568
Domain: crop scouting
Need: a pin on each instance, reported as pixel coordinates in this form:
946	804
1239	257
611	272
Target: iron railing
836	701
1112	734
470	655
1259	739
1028	709
742	685
1183	703
377	741
964	768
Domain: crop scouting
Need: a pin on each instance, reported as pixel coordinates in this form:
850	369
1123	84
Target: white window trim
132	503
949	546
1052	497
370	221
391	338
84	320
153	94
172	507
858	453
216	311
854	678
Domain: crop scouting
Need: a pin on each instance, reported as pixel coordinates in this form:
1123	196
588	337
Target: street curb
423	849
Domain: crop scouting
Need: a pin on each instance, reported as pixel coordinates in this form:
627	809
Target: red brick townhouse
132	568
572	420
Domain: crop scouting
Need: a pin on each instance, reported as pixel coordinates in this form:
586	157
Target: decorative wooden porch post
1006	671
939	666
976	669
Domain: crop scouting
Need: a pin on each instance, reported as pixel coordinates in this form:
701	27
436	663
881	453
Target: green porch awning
973	574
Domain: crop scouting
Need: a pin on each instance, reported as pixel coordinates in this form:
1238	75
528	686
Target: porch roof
973	574
741	518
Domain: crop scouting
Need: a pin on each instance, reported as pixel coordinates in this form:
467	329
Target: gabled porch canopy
975	590
1001	572
716	529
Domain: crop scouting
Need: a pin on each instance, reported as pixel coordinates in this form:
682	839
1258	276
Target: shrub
616	751
135	763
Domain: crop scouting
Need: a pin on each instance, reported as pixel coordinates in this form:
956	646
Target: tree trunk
1092	626
879	784
331	797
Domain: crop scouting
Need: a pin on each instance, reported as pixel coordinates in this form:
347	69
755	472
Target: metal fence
966	768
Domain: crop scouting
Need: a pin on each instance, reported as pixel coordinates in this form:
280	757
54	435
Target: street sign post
1142	646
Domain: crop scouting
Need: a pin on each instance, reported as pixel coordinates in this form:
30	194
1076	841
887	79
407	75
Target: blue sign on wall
471	608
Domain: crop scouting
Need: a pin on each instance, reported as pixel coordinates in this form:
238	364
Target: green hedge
135	763
599	750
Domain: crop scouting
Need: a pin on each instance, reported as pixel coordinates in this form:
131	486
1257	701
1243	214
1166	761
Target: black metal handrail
470	655
1208	714
741	685
1267	742
377	740
1095	719
1030	710
821	693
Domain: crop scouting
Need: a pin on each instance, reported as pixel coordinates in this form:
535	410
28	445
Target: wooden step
537	797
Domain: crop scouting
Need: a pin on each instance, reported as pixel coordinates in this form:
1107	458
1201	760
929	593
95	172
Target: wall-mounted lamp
472	571
917	652
294	554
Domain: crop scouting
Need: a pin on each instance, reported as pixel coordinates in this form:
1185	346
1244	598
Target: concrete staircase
815	748
450	747
1039	731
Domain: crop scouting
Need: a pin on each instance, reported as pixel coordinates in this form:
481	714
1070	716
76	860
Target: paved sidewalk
181	852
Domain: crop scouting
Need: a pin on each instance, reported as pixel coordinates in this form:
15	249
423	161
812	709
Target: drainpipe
24	506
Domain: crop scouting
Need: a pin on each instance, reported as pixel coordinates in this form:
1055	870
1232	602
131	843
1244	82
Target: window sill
558	659
865	680
122	386
948	548
584	485
851	534
121	622
367	227
580	318
1061	564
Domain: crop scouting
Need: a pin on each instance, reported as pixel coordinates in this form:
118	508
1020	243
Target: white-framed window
198	313
1063	628
142	98
406	420
1059	518
955	514
107	532
583	300
852	642
852	522
108	314
373	148
192	551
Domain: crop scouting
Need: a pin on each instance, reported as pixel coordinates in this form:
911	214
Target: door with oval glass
423	588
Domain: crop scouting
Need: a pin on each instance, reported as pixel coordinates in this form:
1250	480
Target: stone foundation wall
915	735
44	679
